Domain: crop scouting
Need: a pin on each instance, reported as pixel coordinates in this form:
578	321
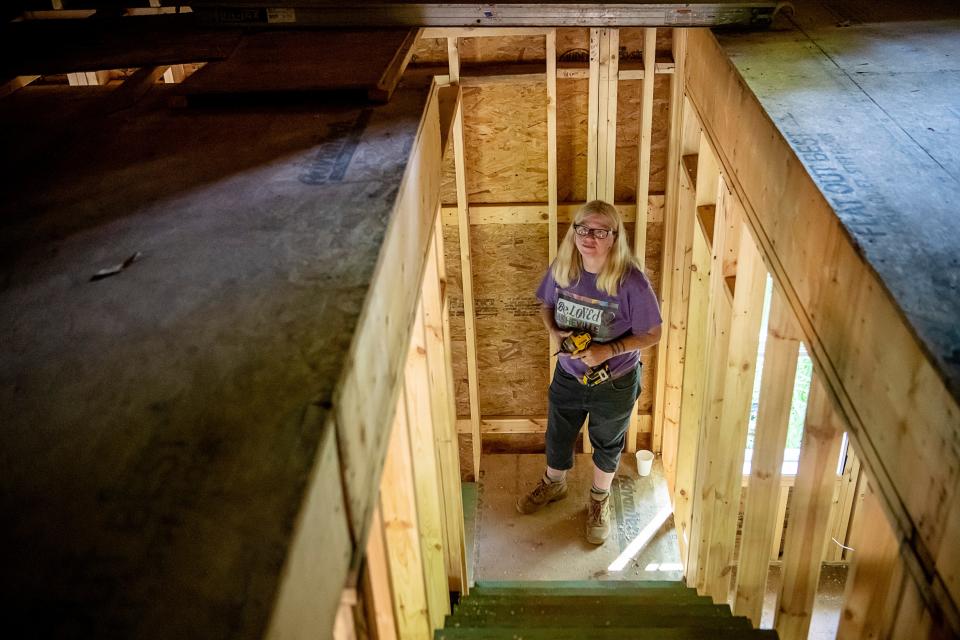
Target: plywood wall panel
509	261
572	108
573	44
458	332
505	134
502	49
628	129
430	51
661	134
628	132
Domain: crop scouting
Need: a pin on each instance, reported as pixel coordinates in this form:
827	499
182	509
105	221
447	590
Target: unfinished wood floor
550	544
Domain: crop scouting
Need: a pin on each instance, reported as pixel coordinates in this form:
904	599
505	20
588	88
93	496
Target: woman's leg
565	418
610	407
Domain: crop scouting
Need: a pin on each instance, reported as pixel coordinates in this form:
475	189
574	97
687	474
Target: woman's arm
597	353
547	315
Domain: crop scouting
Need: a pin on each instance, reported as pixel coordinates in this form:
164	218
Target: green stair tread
599	619
606	633
542	590
707	610
606	600
600	585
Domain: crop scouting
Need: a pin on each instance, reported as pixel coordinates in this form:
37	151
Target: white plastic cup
644	462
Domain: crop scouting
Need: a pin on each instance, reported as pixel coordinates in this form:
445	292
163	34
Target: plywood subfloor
160	426
870	107
550	544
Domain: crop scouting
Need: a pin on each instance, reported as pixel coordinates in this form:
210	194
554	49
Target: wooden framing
539	213
708	462
646	136
401	533
378	594
698	189
466	277
737	391
552	213
866	607
390	77
694	381
604	46
849	497
807	529
674	152
514	18
387	315
763	495
15	84
443	414
834	295
428	489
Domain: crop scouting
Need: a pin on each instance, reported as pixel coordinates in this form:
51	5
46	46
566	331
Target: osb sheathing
628	129
505	139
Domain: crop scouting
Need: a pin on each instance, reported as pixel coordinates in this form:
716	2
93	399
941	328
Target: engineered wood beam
498	16
809	515
763	495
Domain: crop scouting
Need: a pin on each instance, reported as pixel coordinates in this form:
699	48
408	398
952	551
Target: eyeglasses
599	234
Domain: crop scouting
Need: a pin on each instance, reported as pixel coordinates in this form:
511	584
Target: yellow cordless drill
577	342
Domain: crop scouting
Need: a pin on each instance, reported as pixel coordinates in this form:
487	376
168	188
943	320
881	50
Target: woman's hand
559	334
595	354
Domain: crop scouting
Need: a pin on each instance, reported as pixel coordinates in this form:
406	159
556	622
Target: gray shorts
608	405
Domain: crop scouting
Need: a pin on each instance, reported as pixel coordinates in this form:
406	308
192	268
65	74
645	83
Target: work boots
543	494
598	520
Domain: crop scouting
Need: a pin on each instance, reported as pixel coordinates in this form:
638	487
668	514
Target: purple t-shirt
581	306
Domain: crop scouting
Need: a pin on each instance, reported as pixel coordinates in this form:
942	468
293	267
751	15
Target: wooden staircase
658	610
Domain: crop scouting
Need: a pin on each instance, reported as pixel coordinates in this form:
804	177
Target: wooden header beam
299	13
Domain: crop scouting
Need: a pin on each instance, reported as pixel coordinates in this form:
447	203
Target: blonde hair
569	264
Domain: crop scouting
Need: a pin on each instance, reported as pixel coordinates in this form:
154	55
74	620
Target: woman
596	286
